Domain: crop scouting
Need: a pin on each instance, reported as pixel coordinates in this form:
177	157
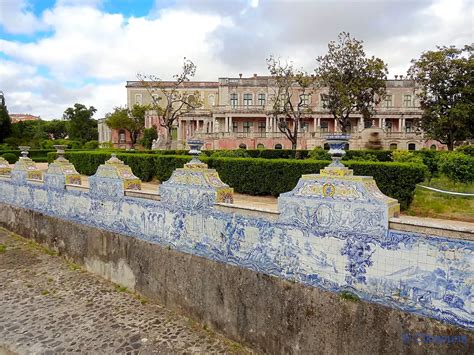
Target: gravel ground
50	306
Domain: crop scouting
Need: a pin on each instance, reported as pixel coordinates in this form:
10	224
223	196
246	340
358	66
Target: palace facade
236	112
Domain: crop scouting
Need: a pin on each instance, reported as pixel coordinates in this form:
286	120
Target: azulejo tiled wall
422	274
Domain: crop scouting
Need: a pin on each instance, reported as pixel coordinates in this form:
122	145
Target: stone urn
337	143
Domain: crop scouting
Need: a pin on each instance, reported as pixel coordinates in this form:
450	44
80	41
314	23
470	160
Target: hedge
458	167
257	176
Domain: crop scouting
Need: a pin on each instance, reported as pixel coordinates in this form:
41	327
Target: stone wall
269	313
224	265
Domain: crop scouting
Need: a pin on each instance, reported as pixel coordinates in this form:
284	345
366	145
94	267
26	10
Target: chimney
396	77
255	75
240	75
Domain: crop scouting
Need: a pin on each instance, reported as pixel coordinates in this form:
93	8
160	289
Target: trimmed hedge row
257	176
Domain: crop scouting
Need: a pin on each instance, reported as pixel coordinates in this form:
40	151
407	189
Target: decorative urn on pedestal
335	201
25	168
61	171
195	185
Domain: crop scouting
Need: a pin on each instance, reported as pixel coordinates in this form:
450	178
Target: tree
149	134
446	94
355	83
5	121
132	120
293	88
56	129
81	125
170	100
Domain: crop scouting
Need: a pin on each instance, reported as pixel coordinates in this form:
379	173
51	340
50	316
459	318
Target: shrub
380	155
404	156
466	149
237	153
91	145
458	167
430	159
10	157
149	134
319	153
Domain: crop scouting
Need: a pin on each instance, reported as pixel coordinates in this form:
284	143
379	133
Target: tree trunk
169	138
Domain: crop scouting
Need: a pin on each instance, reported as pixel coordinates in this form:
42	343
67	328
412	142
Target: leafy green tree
446	80
56	129
81	126
170	101
132	120
5	121
291	105
355	83
149	134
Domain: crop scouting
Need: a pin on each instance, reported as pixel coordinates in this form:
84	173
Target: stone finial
61	172
336	201
5	169
25	168
195	185
113	178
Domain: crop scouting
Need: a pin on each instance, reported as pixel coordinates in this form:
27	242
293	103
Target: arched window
433	147
122	136
260	146
412	146
242	146
393	146
278	146
212	100
326	146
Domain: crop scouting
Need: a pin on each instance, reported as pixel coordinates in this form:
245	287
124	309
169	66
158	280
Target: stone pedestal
336	201
61	172
5	169
25	168
195	185
113	178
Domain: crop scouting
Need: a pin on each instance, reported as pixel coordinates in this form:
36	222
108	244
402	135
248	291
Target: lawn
439	205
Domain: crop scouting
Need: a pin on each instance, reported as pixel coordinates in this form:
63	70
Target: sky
54	53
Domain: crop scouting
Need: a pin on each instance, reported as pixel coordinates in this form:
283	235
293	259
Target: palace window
235	126
304	126
247	126
233	100
408	126
247	99
324	126
121	136
278	146
393	146
433	147
211	100
261	126
388	101
138	99
242	146
304	100
261	99
412	146
407	102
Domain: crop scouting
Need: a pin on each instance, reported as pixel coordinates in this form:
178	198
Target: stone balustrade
330	232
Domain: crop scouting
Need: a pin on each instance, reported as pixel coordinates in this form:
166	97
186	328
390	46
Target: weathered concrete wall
269	313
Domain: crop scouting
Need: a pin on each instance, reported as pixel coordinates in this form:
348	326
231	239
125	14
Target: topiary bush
237	153
10	157
404	156
458	167
91	145
319	153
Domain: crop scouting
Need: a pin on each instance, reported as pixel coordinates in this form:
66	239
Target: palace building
236	112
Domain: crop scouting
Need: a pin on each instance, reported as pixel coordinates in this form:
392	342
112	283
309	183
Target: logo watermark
421	338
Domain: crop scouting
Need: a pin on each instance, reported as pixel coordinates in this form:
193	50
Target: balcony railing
240	108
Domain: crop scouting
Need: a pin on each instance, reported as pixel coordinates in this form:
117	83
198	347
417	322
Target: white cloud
16	18
88	54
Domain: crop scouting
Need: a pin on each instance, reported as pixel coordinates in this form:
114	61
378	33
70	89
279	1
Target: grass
349	296
3	248
433	204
